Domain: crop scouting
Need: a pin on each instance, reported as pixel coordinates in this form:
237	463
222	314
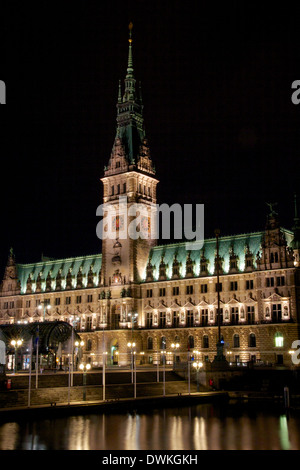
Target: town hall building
163	299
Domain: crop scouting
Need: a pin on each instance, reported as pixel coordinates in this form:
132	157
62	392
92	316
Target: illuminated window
278	340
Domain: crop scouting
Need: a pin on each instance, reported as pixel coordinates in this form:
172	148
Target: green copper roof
239	244
53	266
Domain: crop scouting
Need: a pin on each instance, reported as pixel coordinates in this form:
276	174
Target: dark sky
216	84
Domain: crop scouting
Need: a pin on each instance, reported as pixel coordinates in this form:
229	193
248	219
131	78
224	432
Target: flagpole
29	384
37	359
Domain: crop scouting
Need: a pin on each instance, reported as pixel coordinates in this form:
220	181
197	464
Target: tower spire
130	62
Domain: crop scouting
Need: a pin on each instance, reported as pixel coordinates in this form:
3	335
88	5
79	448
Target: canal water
201	427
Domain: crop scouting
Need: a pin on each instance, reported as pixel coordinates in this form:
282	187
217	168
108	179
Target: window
149	293
162	292
236	341
176	290
37	302
191	342
57	301
124	187
274	257
250	314
252	340
276	313
27	304
190	318
149	320
205	342
11	304
278	340
68	300
280	281
149	192
118	164
112	190
204	317
220	287
189	290
78	299
149	343
175	319
270	282
203	288
233	285
89	345
118	189
162	319
163	342
6	305
89	323
90	298
234	315
249	284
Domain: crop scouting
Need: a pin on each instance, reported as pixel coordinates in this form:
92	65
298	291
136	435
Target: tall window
190	318
162	319
252	340
149	320
205	342
176	290
163	342
278	340
162	291
276	313
149	293
191	342
149	343
189	290
250	314
233	285
204	318
203	288
175	319
249	284
234	315
236	341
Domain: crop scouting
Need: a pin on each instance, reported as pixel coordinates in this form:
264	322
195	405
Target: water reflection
203	427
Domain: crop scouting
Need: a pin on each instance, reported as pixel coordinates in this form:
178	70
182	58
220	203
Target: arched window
191	342
236	341
149	343
89	345
278	340
163	342
252	340
205	342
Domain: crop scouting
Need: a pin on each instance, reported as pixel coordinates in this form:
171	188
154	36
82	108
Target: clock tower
129	193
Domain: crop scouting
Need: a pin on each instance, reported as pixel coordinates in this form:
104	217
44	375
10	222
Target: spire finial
130	63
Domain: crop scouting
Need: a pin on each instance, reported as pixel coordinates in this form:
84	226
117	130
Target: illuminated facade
162	295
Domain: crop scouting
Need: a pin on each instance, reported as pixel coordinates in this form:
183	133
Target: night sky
216	83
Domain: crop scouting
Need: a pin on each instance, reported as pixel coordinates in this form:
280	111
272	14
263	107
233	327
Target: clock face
118	222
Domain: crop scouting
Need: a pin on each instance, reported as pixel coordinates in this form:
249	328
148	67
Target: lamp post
175	347
131	346
78	345
84	368
16	344
197	365
163	352
46	306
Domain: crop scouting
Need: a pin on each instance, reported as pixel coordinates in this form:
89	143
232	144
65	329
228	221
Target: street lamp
197	365
132	346
84	368
16	344
46	306
163	352
77	344
175	347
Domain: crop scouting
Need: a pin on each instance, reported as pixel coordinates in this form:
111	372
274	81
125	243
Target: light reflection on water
202	427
